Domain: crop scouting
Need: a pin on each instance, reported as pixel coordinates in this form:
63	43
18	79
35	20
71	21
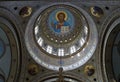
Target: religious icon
61	21
61	25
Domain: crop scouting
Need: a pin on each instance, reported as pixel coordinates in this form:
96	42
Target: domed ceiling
61	35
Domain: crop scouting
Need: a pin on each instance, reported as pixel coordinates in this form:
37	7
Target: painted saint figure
61	26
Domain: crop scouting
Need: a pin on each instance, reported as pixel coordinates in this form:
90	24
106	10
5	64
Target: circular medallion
61	35
96	11
61	21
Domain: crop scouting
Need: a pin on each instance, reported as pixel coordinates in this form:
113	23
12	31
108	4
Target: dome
63	37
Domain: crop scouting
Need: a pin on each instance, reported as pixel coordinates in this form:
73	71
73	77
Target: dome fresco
63	37
60	41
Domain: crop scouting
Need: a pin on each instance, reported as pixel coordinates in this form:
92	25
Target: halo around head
61	12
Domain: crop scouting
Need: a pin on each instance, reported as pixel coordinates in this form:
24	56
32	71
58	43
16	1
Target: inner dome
61	32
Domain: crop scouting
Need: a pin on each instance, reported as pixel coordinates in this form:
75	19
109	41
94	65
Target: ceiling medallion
61	35
97	11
